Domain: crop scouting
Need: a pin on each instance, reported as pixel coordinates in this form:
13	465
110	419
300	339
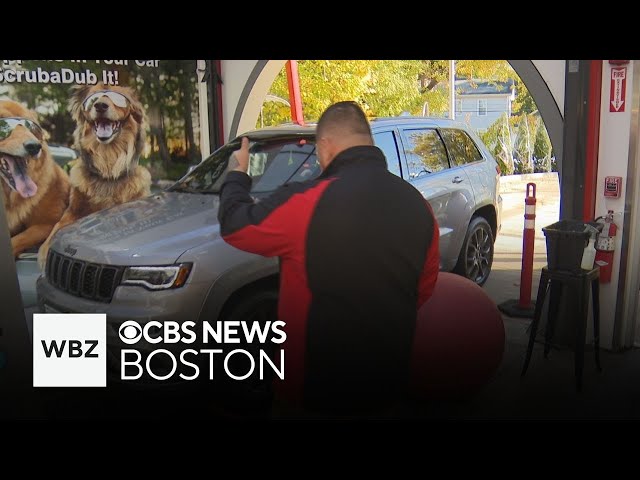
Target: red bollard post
523	307
528	238
295	99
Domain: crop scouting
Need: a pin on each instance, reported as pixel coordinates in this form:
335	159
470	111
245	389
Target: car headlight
157	278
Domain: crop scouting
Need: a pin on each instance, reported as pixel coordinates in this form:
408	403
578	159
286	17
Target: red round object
459	340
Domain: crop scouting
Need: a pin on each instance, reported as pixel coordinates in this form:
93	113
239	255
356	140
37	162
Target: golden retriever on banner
110	135
35	189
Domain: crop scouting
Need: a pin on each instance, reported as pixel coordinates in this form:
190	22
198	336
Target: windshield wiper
194	191
184	190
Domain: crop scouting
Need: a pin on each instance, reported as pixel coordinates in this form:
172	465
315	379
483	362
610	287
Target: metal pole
203	111
452	89
295	99
214	100
528	238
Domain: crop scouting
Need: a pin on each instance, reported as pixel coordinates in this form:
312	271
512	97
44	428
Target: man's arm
254	227
270	227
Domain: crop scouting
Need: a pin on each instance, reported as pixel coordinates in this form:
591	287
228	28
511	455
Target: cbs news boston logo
69	350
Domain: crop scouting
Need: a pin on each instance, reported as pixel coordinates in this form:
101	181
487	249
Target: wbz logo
69	350
74	350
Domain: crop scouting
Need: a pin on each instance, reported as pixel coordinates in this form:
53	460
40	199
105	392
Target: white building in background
479	103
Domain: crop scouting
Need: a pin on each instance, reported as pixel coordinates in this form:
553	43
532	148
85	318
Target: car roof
415	120
283	129
381	122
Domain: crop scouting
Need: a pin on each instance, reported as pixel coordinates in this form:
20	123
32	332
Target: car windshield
272	163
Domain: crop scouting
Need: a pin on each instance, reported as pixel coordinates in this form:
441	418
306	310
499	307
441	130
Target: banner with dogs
78	136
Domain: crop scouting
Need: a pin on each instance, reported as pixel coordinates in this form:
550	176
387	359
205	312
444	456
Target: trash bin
566	241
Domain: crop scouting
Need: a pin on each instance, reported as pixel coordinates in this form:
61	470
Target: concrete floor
548	389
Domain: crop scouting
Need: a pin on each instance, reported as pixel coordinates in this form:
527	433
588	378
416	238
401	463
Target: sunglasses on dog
118	99
7	125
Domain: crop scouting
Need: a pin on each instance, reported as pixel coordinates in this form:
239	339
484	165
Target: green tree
499	138
382	87
435	72
322	82
523	102
542	150
393	87
520	144
524	145
526	133
496	70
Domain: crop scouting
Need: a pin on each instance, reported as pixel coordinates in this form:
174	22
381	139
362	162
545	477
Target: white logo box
76	343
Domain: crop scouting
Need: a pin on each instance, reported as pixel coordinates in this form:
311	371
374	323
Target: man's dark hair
344	117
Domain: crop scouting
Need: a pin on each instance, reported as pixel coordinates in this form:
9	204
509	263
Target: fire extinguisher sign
618	89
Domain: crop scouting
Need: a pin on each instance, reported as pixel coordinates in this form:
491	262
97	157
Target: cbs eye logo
130	332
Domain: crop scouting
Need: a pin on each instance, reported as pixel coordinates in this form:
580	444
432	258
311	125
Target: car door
447	189
463	152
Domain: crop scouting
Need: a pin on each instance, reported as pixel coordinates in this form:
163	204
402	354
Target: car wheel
256	306
252	396
476	254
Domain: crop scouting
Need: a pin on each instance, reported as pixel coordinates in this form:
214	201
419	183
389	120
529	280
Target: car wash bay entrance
594	135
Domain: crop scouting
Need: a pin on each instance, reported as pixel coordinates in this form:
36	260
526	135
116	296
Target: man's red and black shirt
358	250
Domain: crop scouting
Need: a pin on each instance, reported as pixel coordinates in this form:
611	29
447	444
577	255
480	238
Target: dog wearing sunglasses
110	135
35	189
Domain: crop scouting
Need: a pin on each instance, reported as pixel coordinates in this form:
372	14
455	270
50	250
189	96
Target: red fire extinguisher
605	246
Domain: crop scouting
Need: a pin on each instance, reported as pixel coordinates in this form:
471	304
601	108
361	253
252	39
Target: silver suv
162	257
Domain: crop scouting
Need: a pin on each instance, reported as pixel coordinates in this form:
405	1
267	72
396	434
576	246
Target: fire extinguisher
605	246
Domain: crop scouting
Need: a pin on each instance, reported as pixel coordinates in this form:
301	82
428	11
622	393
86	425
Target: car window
460	146
386	142
425	152
272	163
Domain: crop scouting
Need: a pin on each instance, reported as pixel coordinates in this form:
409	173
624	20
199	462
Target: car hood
152	231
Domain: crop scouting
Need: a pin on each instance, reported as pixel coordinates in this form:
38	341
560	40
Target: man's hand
242	157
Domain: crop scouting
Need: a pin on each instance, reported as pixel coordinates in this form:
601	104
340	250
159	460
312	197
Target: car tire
476	255
250	397
257	305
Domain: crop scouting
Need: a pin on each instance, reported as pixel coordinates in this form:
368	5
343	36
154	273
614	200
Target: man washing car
359	255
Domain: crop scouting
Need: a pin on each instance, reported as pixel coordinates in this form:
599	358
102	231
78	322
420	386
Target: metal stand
577	284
